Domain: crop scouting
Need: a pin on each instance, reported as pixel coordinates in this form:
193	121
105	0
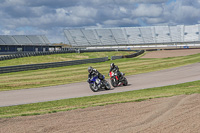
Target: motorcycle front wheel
125	82
94	88
107	85
113	82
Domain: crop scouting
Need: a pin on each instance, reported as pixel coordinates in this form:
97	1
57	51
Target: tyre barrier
18	68
134	55
28	54
116	57
128	56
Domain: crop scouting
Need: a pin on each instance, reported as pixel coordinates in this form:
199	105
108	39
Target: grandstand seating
91	37
70	38
119	35
162	34
191	33
133	35
106	37
175	33
147	34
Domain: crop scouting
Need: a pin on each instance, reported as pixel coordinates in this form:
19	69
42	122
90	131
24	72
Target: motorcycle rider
93	73
114	68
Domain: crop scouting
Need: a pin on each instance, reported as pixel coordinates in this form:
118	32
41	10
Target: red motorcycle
115	80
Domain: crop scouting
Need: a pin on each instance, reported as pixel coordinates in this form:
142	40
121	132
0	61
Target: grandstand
18	43
134	36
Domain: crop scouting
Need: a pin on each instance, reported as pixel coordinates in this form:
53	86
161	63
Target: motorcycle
115	79
97	84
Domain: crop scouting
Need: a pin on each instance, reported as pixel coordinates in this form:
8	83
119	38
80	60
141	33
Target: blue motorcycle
97	84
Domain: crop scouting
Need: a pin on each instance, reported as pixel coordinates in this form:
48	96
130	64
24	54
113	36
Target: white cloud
123	10
148	10
81	11
180	12
154	20
6	32
14	2
50	17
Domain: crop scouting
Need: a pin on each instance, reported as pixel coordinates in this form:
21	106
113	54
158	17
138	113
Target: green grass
61	57
99	100
64	75
68	74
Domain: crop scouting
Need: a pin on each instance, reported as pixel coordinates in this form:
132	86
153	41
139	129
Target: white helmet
112	65
90	69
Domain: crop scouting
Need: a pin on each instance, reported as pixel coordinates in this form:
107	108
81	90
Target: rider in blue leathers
93	73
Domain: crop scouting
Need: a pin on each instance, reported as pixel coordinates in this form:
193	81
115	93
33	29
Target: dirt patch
170	53
173	114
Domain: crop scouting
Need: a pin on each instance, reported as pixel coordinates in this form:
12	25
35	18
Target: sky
51	17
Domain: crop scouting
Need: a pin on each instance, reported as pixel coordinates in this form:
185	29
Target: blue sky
50	17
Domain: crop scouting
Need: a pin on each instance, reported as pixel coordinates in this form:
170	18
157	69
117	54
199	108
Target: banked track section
136	82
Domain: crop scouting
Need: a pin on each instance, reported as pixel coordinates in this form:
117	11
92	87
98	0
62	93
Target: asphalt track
141	81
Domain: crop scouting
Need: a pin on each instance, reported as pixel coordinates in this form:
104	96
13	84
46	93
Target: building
25	43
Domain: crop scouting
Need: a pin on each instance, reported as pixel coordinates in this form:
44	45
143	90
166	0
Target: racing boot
120	83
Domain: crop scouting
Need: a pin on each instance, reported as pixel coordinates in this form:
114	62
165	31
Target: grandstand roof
23	40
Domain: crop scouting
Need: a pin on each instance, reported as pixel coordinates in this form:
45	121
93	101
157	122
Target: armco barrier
18	68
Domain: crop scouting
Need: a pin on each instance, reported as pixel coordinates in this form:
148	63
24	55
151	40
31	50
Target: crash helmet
90	69
112	65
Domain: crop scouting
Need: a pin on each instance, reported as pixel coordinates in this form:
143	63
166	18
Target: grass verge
68	74
61	57
99	100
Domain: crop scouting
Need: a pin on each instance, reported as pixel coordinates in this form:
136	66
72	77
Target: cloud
50	17
148	10
183	12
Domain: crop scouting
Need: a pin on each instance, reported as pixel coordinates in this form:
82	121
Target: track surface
141	81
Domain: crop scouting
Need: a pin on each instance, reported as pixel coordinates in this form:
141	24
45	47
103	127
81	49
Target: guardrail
18	68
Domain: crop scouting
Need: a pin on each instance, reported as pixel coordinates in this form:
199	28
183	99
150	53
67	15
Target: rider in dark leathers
93	72
114	68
